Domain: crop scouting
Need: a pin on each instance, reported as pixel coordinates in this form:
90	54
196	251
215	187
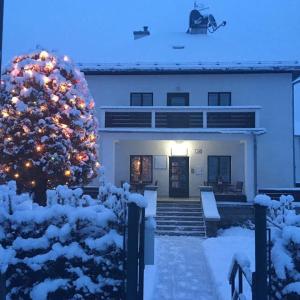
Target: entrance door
179	176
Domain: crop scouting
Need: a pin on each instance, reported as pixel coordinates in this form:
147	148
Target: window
141	99
178	99
219	99
141	168
219	168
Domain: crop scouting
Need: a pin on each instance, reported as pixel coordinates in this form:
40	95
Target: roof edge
183	71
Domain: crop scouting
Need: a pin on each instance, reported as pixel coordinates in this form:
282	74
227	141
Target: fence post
260	282
132	252
142	255
2	286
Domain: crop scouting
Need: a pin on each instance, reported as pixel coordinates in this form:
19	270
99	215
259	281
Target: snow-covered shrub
70	249
285	246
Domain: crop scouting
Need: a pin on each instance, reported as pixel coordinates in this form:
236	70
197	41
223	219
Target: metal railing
237	292
192	117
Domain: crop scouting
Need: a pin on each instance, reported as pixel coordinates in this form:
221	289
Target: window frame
219	156
141	171
185	95
142	98
219	98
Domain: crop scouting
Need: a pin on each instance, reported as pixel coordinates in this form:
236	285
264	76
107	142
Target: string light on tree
28	164
68	173
45	143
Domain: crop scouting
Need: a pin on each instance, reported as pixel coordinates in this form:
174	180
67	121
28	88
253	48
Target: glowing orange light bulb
5	114
17	175
68	173
44	55
39	148
62	88
33	183
81	103
28	164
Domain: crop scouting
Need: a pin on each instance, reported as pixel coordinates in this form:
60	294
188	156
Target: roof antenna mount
200	23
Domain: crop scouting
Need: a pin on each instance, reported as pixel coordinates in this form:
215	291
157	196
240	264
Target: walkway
182	272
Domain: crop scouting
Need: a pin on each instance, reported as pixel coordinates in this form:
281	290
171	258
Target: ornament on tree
48	131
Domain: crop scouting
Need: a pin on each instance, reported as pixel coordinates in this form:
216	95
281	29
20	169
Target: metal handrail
237	269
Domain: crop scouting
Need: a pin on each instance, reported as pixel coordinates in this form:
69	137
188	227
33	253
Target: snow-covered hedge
70	249
285	251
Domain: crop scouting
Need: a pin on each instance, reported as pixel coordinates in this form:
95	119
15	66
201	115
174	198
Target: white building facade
184	128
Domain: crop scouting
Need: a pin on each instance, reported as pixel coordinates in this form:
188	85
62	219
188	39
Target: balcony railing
192	117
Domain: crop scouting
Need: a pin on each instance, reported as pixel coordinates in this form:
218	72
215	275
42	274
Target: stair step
197	218
181	228
179	213
179	218
180	233
166	209
179	202
179	222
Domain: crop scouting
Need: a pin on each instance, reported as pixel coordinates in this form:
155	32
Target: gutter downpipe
255	162
254	135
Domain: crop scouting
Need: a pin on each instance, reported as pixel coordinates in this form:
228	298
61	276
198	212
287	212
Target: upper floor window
178	99
219	99
141	99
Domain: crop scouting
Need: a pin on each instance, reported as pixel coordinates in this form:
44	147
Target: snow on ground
181	270
219	252
191	268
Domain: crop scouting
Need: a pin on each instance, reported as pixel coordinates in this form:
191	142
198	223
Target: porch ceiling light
179	149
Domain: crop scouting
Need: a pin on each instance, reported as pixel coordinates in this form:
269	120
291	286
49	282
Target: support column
249	169
107	156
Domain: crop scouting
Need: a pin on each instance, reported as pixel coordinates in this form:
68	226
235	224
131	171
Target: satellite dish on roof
200	23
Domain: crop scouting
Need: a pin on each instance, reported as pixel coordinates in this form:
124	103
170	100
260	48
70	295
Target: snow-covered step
184	233
179	213
180	218
179	223
190	205
179	209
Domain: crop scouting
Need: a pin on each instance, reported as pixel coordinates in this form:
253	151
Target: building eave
190	68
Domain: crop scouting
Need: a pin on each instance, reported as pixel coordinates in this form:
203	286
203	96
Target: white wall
271	91
124	149
297	158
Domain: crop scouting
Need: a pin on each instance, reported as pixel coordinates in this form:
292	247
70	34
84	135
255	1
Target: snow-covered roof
259	35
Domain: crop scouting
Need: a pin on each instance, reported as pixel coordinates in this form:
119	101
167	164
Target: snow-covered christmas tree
48	131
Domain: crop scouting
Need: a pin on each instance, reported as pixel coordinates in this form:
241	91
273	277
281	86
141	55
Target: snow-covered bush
70	249
285	248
